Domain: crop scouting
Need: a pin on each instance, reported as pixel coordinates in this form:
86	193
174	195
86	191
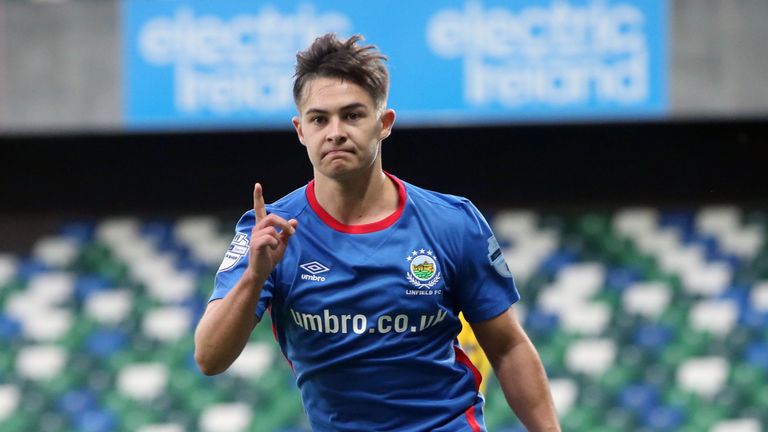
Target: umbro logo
314	268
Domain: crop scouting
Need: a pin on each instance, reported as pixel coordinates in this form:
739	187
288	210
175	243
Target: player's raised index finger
258	203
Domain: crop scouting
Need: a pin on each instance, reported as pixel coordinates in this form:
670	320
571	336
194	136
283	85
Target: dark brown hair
329	57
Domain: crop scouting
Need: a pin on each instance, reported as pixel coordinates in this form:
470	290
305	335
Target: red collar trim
358	229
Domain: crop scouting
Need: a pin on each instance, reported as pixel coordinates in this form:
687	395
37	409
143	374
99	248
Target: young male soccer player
364	275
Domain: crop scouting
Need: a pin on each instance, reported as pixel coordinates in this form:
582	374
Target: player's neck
360	199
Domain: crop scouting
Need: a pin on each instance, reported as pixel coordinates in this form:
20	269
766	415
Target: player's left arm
519	370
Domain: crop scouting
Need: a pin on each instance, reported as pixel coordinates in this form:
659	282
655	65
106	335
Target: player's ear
387	121
297	125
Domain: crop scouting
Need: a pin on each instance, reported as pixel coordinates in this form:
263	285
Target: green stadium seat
618	419
581	418
617	378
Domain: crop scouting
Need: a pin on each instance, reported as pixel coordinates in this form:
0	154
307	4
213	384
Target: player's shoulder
439	201
288	207
291	205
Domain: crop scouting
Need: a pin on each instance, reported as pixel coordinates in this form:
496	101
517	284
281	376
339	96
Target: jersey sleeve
236	261
486	287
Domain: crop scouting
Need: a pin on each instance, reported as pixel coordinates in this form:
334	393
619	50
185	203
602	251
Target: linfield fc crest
423	270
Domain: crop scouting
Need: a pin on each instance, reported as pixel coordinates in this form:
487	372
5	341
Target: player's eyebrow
354	105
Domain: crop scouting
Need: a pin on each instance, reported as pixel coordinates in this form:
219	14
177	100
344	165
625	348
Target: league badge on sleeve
497	258
422	269
236	251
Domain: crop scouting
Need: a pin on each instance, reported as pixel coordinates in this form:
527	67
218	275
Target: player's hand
269	238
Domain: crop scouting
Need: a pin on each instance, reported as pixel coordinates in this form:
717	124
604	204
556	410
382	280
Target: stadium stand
646	319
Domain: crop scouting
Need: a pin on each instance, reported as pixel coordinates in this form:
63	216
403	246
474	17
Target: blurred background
617	148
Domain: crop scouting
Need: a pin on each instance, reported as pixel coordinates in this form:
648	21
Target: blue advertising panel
229	63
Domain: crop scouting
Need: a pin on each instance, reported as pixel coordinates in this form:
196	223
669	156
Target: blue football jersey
367	315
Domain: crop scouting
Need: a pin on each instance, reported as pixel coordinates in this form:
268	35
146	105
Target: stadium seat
653	338
10	399
56	252
8	264
639	398
109	307
635	222
564	393
588	319
591	356
648	299
705	376
665	418
167	324
143	381
759	296
737	425
709	280
254	361
718	317
230	417
161	427
40	362
757	355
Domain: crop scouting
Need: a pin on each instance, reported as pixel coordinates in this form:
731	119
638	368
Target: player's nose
336	132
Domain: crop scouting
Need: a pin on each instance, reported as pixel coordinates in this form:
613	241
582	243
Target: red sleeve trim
472	420
461	357
274	333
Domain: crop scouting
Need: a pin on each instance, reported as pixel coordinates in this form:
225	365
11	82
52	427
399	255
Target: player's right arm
227	323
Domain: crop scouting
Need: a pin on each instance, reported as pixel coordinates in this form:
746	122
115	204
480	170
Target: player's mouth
336	153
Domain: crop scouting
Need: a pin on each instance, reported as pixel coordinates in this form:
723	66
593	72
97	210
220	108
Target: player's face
341	127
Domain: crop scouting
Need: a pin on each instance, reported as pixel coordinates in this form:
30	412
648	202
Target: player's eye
318	120
354	115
